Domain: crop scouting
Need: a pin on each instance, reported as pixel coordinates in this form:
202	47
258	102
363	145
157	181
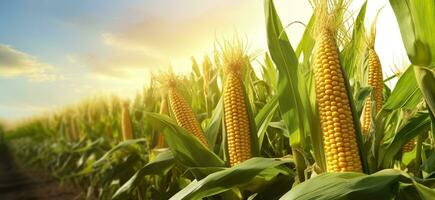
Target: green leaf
187	149
350	185
274	189
354	53
162	163
306	45
195	67
424	192
289	100
264	117
124	144
406	93
286	61
269	72
214	126
416	125
426	82
252	125
228	178
429	164
416	20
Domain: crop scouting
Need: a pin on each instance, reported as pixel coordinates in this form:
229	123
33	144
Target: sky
57	52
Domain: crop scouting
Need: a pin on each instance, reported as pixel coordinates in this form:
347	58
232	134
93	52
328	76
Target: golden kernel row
341	149
376	81
236	120
184	115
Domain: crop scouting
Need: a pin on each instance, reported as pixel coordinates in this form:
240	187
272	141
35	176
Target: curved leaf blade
384	184
228	178
163	161
187	149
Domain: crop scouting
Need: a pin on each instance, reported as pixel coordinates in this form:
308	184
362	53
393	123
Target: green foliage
82	144
289	99
426	82
226	179
417	124
159	166
405	94
416	22
187	149
355	52
385	184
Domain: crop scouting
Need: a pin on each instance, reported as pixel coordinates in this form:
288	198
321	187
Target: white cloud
71	59
120	64
154	42
14	63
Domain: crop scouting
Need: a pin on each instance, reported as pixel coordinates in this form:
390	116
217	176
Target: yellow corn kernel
127	130
236	120
409	146
376	81
235	108
184	114
334	107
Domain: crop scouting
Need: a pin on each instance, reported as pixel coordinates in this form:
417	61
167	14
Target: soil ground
22	184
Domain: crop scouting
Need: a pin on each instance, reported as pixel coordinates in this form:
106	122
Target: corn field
316	121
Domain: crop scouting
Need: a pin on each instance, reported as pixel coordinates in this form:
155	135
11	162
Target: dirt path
16	184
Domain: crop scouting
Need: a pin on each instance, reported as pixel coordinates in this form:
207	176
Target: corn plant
314	122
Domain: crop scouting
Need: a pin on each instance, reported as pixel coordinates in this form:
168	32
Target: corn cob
72	129
127	131
409	146
184	114
163	110
75	128
339	134
375	80
235	110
